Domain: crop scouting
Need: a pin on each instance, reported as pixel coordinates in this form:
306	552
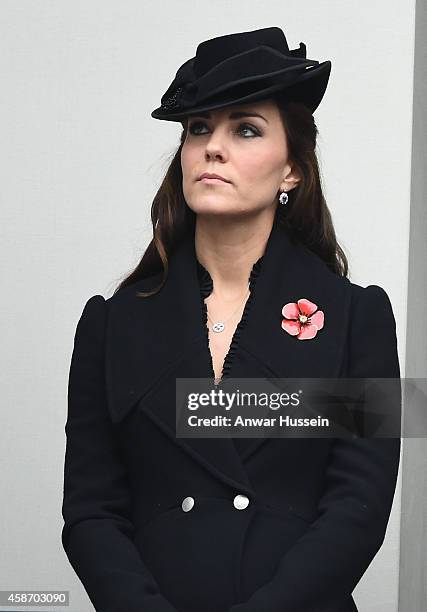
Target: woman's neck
228	250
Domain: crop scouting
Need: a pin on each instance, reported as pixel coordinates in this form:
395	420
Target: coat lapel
290	272
152	341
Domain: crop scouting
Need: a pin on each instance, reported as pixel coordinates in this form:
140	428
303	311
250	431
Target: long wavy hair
306	213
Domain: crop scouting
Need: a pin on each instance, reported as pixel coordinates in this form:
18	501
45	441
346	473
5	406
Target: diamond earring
283	198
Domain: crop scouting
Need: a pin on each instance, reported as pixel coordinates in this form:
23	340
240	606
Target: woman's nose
215	148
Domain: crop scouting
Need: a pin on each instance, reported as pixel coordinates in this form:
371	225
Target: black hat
240	68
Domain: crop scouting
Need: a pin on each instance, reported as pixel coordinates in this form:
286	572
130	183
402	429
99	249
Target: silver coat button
241	502
187	503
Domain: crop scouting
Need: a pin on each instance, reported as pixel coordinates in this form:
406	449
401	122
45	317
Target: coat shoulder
372	303
131	292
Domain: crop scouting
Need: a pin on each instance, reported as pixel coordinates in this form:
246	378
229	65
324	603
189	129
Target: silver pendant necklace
219	326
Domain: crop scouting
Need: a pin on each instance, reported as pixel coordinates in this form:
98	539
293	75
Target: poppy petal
307	332
317	319
306	307
290	310
292	327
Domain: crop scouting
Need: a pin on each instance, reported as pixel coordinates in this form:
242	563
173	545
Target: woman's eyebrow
235	115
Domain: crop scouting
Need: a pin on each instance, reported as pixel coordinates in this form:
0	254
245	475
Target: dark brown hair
306	213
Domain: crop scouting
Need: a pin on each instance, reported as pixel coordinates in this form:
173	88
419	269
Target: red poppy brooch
302	319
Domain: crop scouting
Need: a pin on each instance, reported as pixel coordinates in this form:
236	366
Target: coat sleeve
97	531
321	570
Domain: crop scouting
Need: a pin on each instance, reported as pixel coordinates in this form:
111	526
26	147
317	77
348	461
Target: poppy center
303	318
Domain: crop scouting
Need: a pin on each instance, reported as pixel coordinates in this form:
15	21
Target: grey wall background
413	534
81	160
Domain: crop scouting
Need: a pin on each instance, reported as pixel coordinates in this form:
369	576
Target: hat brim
309	89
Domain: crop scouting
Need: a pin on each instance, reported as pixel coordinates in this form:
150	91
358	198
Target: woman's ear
289	183
291	178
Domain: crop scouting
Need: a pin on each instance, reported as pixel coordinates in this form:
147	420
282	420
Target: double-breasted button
187	503
241	502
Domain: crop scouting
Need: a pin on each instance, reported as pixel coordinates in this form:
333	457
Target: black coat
318	507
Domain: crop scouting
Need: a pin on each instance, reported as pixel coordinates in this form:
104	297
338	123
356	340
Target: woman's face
249	151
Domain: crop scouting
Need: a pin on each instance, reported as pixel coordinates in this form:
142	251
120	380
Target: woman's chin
219	209
222	213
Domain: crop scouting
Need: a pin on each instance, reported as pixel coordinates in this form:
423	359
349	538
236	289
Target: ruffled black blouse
206	286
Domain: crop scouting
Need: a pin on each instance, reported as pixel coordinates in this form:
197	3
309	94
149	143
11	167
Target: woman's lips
213	181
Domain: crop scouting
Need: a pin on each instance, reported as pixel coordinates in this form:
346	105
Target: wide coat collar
152	341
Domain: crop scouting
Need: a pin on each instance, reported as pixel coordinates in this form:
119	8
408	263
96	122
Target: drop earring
283	198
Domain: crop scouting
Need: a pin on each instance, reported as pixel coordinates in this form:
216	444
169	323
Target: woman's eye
242	127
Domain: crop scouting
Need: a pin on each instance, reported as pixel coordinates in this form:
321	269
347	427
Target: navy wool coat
316	510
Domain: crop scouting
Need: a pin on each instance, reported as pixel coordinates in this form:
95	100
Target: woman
158	522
